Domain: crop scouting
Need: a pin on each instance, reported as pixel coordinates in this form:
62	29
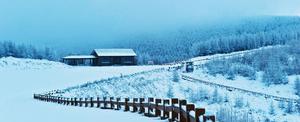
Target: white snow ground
258	106
20	78
283	90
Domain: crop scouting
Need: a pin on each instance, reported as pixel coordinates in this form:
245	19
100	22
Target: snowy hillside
19	82
149	84
221	101
17	63
139	81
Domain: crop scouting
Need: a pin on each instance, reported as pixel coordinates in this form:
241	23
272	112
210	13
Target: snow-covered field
258	105
20	78
159	84
286	90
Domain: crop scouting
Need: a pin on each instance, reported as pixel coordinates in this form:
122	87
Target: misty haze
169	60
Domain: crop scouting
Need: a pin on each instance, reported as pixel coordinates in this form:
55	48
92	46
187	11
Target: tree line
276	64
9	48
198	41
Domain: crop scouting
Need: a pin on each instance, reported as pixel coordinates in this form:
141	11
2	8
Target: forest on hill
187	42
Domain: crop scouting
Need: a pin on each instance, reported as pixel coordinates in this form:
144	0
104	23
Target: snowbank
18	63
20	78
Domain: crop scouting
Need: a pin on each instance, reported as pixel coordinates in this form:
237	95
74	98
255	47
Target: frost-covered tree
226	98
274	73
198	95
289	108
215	97
176	76
48	54
9	48
281	105
231	74
272	109
2	53
298	106
170	93
239	102
297	86
242	70
247	104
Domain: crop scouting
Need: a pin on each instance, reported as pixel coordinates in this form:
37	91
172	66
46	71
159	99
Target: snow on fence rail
171	109
230	88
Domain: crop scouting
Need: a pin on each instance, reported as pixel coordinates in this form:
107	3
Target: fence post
165	112
91	102
75	101
104	103
142	108
182	103
52	99
157	111
47	100
212	118
61	100
68	101
72	102
86	102
174	113
80	102
126	104
98	102
65	101
189	107
58	100
112	106
40	98
150	109
199	112
135	100
118	104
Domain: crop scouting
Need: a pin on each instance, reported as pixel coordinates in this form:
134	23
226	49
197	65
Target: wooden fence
167	109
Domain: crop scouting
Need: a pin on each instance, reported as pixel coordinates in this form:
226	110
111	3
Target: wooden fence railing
167	109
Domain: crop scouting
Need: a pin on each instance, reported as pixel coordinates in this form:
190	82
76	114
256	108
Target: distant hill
240	35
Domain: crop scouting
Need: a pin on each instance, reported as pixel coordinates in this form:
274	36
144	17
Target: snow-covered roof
79	56
114	52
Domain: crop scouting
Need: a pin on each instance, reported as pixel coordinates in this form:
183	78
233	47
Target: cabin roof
79	57
114	52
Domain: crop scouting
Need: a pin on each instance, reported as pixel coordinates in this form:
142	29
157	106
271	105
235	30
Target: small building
103	57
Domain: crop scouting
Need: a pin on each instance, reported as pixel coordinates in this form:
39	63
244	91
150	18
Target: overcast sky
89	21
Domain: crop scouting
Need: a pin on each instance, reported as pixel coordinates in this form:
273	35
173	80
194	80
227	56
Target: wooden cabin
103	57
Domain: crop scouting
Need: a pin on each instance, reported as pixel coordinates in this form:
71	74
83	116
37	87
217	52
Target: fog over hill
79	26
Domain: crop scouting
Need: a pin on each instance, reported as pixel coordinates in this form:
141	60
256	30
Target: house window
80	61
105	60
127	60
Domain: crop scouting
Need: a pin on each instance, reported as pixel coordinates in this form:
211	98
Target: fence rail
230	88
167	109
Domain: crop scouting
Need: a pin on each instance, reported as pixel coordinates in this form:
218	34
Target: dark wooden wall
115	60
